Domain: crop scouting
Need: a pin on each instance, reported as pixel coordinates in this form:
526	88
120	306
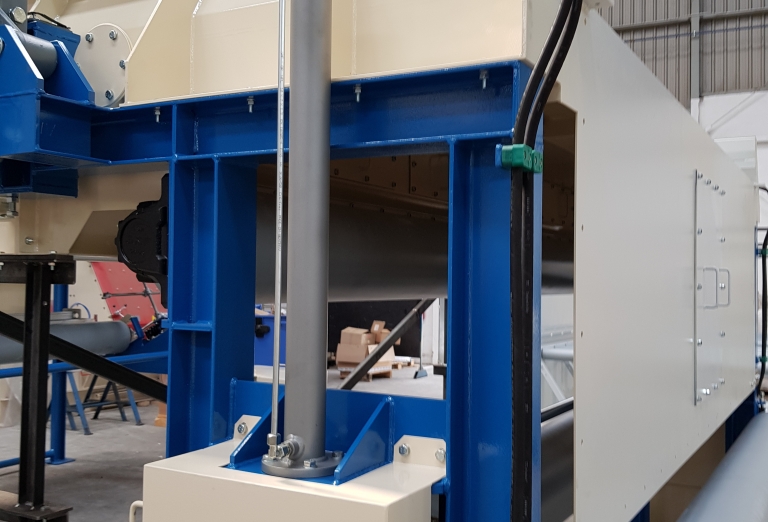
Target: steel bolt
440	455
242	428
122	64
29	240
89	37
109	94
113	35
311	463
338	454
18	15
484	77
404	450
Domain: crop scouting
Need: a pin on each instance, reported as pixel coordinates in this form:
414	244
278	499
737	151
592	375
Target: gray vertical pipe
308	214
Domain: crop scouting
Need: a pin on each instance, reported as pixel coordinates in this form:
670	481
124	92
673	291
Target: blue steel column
59	391
479	376
212	270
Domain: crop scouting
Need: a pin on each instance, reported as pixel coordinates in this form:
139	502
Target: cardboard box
357	336
354	354
383	335
377	327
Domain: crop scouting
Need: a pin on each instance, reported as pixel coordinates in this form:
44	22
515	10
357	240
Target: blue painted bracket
254	445
372	448
53	33
68	80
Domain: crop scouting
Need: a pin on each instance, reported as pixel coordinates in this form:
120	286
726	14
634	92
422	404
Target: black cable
765	308
539	69
564	45
47	18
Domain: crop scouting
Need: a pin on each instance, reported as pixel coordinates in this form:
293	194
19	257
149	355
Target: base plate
301	469
12	511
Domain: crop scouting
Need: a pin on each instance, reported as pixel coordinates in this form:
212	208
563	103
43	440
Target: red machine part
115	279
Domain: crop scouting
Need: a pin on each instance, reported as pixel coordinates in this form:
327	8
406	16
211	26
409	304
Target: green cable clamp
519	157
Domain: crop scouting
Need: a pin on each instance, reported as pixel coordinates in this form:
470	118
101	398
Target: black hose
765	309
550	78
539	69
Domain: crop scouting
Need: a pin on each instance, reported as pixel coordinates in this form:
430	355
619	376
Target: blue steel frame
212	146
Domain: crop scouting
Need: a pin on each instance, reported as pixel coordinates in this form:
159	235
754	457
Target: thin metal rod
279	216
388	342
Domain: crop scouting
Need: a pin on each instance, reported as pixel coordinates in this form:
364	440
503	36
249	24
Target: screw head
699	175
716	188
242	428
113	35
440	455
122	64
715	385
722	333
89	37
28	240
109	94
699	287
722	381
18	15
699	342
709	182
705	391
722	240
404	450
311	463
699	232
722	286
722	193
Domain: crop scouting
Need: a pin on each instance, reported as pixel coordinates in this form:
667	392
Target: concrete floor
106	476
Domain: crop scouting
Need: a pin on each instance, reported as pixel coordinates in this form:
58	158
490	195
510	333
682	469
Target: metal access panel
638	261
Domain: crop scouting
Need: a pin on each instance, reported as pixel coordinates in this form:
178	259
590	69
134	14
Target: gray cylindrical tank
106	338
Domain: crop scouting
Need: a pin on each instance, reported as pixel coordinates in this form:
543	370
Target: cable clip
519	157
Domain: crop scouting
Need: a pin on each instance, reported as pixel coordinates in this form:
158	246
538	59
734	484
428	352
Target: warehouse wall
732	38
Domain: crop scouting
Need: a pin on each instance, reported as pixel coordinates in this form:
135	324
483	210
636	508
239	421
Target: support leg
79	406
37	324
135	409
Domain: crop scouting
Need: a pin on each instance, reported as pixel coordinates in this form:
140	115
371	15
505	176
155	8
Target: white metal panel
637	156
197	487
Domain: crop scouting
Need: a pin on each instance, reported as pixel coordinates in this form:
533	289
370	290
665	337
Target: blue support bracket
254	445
372	448
68	81
54	33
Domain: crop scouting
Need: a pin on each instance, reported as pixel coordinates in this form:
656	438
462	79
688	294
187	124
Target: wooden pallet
373	372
